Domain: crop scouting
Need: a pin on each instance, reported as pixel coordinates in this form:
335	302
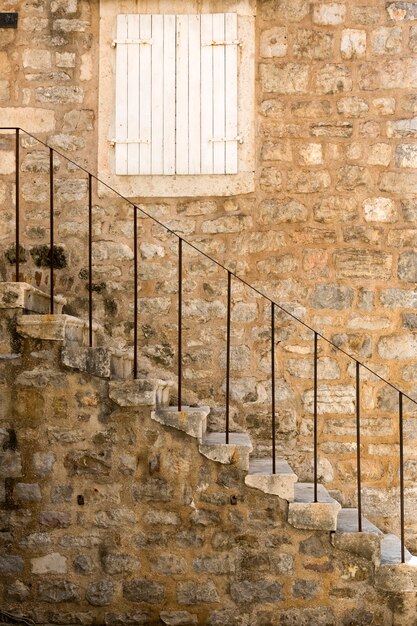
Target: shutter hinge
235	42
144	42
239	138
113	142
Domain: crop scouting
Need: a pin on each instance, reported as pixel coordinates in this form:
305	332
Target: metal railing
230	275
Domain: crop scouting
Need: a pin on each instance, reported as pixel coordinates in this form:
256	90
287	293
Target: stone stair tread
235	439
263	467
347	522
24	296
304	493
391	552
185	409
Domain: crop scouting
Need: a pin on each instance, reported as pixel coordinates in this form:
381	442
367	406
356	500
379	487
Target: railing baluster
400	416
90	262
315	417
358	445
229	299
135	292
274	469
51	226
17	207
179	324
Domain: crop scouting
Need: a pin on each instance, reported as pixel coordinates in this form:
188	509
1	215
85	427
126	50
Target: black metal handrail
230	274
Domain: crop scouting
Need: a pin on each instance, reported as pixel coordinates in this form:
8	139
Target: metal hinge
113	142
144	42
239	138
235	42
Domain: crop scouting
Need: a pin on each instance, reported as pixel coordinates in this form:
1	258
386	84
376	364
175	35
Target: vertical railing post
274	469
135	292
17	206
358	445
179	324
229	301
401	429
51	226
315	418
90	261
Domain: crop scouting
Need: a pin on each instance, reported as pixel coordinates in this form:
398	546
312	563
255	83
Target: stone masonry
329	232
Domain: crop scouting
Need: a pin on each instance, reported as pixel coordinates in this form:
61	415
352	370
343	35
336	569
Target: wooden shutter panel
176	94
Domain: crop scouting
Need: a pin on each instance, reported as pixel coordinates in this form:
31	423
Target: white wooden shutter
176	94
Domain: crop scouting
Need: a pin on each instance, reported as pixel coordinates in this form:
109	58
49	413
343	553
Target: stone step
121	366
281	483
140	392
24	296
392	575
67	328
236	452
191	420
306	514
347	537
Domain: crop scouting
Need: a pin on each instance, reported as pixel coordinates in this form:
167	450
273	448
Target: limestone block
390	74
274	42
398	346
291	78
77	120
191	420
379	210
53	563
331	399
365	15
335	209
100	593
331	14
353	44
308	181
333	78
354	263
144	590
190	592
236	452
331	297
350	177
387	40
280	484
95	361
36	59
402	128
329	129
11	564
398	182
352	106
313	44
384	106
279	211
178	618
311	154
365	544
228	224
379	154
59	95
406	155
249	591
58	591
140	392
55	328
402	11
307	514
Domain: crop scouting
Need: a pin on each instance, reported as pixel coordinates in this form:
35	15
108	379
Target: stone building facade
327	231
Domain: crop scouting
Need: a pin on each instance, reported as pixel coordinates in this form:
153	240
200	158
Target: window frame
177	185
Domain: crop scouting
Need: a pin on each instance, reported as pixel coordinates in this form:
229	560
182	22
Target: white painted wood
194	96
206	94
169	93
121	97
182	104
231	34
145	94
219	94
157	112
133	132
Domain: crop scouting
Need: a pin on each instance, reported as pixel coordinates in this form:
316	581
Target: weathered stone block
53	563
164	518
190	592
88	462
312	44
331	14
329	129
353	44
333	78
291	78
386	40
178	618
274	42
120	564
331	399
11	564
143	590
406	155
398	346
29	492
331	297
336	209
392	74
352	106
354	263
170	564
350	177
402	128
58	591
379	154
55	519
276	211
308	182
402	11
152	490
100	593
251	592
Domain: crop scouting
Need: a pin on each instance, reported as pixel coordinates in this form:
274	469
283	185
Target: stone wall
329	231
110	518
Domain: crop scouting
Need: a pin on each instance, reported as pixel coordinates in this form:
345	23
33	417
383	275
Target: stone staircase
28	308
